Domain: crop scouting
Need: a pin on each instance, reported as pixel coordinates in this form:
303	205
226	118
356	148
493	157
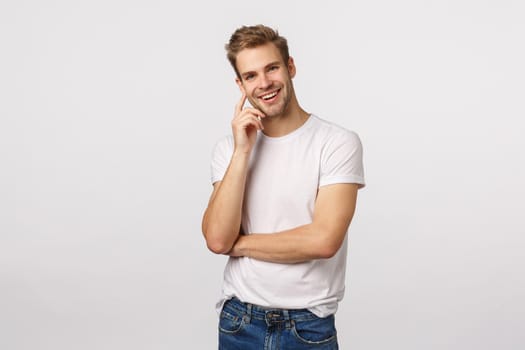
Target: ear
239	84
291	67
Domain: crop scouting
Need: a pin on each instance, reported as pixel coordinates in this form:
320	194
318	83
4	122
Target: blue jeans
245	327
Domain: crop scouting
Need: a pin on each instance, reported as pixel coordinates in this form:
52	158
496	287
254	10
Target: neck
291	119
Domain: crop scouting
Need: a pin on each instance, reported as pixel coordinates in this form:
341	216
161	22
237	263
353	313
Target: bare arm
321	239
222	219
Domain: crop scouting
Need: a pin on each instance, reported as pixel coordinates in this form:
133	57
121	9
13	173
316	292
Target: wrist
239	248
241	154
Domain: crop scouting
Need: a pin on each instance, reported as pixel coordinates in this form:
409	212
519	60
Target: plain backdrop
109	111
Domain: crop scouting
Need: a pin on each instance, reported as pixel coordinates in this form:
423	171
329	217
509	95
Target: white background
109	111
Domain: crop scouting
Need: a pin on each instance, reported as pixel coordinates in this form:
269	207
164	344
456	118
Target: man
284	192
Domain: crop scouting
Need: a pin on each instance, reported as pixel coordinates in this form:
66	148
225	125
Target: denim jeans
245	327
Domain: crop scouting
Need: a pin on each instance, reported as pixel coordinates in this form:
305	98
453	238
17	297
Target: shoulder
334	134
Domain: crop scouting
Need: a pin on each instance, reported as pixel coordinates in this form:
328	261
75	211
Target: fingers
253	114
249	116
245	124
240	104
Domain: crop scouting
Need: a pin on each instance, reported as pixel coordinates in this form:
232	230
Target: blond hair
247	37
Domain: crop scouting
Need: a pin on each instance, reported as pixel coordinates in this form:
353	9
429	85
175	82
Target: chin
273	112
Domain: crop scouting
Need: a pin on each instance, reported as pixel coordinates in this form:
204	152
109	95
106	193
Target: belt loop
248	316
287	319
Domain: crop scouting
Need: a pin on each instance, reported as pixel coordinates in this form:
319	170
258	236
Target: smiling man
285	187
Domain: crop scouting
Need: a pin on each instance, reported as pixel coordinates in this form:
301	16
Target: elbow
327	252
213	241
216	243
328	248
327	241
218	246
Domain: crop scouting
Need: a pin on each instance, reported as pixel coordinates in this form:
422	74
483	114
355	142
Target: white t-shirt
283	178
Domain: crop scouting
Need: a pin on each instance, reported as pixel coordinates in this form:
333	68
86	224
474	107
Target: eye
249	76
273	68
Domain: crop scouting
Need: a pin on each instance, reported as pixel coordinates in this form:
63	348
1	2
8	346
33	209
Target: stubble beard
277	109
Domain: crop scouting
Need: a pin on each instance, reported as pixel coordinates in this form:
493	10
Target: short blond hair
247	37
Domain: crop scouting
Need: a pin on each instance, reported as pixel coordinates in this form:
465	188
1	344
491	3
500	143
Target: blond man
285	187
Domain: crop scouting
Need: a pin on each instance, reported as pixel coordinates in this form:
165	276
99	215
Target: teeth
269	96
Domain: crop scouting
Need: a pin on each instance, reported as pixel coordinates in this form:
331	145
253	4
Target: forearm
222	219
321	239
303	243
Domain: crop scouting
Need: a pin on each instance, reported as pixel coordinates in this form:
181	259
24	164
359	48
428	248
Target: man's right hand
245	123
222	219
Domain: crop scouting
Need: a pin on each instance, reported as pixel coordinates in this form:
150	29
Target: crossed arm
322	238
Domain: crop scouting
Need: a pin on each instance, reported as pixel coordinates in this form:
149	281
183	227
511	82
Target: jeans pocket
315	331
230	323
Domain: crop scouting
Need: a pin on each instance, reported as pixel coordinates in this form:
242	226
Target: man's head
248	37
264	69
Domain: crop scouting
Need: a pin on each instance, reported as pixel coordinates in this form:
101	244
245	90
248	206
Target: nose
265	82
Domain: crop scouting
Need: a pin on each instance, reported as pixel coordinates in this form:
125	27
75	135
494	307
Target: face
266	79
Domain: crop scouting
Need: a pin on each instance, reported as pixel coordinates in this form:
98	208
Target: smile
270	95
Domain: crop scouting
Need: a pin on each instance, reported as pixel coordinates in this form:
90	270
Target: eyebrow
265	67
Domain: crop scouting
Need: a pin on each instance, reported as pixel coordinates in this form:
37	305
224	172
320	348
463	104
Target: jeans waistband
270	315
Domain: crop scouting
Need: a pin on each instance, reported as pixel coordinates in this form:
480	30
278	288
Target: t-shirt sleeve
342	160
221	156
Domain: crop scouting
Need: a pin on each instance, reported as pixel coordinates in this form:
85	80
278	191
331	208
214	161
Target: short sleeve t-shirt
284	176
